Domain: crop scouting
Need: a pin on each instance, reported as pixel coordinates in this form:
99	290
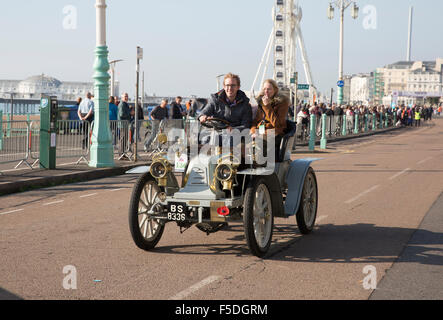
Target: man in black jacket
157	115
177	113
230	104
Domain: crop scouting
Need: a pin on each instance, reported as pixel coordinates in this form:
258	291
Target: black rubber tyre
307	211
258	218
144	197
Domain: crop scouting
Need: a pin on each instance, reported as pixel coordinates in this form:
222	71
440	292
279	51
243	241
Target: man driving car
230	104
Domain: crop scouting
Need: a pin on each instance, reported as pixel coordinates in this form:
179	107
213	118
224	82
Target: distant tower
408	55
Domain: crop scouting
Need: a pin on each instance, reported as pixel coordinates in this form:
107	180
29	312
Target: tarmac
14	181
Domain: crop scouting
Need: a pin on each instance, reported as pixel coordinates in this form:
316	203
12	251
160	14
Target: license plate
177	211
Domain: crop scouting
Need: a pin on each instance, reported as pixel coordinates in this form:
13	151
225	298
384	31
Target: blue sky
188	42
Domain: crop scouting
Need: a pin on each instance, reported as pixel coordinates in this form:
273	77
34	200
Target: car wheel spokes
309	200
148	198
262	216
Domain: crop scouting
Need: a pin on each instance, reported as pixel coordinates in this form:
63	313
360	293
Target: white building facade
33	87
360	89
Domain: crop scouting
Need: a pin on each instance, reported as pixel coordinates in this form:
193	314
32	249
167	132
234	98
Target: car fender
138	170
295	179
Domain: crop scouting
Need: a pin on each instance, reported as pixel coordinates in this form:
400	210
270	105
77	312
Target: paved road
379	223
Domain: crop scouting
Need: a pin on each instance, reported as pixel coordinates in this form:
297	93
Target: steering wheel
216	123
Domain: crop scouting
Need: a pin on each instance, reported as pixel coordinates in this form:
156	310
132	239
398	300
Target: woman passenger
272	113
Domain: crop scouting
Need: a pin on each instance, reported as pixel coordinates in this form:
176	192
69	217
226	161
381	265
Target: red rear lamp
223	211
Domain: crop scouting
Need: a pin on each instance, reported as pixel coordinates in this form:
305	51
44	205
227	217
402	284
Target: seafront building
33	87
402	82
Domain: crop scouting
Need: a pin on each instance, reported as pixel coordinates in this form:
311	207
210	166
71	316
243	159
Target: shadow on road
363	243
357	243
6	295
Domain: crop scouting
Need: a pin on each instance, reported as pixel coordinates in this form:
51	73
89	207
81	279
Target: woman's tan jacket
274	114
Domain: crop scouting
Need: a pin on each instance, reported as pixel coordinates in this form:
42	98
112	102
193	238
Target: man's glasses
231	85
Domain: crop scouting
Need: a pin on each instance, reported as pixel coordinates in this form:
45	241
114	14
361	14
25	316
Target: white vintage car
215	191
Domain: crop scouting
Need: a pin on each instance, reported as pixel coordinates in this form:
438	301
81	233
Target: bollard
366	122
312	133
381	120
344	129
356	131
395	119
323	140
386	120
374	122
8	125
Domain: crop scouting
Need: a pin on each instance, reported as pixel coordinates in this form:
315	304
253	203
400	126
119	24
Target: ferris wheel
282	44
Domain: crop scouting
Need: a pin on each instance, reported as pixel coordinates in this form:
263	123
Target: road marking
361	194
424	160
88	195
12	211
183	294
55	202
117	189
399	174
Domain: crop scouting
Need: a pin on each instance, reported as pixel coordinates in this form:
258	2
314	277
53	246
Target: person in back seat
272	113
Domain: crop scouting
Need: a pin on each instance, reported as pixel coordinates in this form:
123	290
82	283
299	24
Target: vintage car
216	190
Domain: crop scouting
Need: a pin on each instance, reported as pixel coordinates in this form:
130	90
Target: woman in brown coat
272	113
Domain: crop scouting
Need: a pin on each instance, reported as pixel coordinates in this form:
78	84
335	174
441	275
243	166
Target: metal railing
20	140
343	125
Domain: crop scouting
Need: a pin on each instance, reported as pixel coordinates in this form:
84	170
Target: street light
112	64
342	5
102	151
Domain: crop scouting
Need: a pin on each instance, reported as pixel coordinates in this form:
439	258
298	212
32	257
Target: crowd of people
232	105
405	115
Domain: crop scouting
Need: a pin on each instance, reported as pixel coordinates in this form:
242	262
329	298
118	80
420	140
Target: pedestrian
158	114
113	116
113	109
85	113
124	118
177	113
417	117
188	106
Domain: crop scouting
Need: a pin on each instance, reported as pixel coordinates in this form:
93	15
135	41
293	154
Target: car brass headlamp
224	172
159	169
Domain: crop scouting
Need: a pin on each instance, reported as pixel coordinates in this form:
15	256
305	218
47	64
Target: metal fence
20	140
342	125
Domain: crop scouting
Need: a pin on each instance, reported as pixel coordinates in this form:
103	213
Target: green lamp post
102	152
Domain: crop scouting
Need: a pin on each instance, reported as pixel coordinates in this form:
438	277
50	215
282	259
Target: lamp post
112	65
102	153
341	5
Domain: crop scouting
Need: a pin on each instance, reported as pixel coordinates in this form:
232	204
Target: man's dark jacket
176	111
124	111
238	114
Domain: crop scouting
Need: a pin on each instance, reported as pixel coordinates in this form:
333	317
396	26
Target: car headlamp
224	172
160	167
158	170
